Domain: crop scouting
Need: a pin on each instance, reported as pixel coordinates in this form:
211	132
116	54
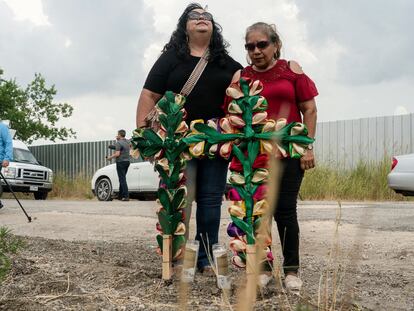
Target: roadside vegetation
365	182
9	244
65	187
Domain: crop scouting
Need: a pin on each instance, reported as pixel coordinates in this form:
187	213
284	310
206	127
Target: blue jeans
122	169
206	181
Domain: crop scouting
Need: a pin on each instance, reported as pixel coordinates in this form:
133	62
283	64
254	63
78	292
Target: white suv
25	174
141	178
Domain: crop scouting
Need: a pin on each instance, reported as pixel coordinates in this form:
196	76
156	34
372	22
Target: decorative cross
167	148
245	135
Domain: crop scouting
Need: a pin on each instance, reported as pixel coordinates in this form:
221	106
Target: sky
97	53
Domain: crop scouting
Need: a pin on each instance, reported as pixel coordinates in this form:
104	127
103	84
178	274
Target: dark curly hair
178	41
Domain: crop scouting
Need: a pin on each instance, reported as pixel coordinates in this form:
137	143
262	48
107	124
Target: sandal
293	283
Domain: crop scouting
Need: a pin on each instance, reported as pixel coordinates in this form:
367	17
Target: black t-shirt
170	73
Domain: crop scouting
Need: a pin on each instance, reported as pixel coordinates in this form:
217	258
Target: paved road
85	220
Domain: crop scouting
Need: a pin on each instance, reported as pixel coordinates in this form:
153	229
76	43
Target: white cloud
68	42
31	10
400	110
99	118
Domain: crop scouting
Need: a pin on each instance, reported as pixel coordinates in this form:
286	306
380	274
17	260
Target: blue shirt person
6	145
6	148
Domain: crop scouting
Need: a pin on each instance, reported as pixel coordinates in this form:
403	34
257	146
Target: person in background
206	178
6	148
290	94
121	156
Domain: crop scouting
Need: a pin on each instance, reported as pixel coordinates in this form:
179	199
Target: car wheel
103	189
40	195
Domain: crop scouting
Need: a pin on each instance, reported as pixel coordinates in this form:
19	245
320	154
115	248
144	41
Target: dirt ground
89	255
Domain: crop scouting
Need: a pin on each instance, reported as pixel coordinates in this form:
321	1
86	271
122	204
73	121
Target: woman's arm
309	112
146	102
236	76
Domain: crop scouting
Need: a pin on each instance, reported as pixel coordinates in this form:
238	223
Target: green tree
32	112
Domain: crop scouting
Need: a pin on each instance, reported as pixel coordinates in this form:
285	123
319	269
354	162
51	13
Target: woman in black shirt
206	179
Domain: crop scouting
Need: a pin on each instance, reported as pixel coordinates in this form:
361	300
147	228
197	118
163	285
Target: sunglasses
260	45
194	15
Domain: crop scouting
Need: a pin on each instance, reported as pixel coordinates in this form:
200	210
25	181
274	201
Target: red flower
260	193
261	161
236	165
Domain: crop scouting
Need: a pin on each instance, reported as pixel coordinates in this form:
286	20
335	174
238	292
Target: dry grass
65	187
366	182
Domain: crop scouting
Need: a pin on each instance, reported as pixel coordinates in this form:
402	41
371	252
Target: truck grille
34	174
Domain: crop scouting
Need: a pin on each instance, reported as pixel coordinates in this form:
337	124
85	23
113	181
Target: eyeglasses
260	45
194	15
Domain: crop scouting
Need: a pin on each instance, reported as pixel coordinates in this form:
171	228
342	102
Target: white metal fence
340	144
345	143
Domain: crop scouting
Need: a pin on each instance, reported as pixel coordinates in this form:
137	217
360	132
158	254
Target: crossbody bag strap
195	75
152	117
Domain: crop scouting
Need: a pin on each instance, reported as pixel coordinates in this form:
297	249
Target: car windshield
22	155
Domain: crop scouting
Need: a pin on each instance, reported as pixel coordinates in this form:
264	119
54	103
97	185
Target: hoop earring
248	60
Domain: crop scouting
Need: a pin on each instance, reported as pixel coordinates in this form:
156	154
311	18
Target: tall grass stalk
367	181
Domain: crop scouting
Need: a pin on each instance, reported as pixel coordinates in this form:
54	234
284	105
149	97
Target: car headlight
9	172
50	177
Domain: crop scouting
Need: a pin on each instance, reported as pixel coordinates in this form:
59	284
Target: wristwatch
309	147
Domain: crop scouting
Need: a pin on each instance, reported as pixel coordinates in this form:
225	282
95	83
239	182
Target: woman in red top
290	94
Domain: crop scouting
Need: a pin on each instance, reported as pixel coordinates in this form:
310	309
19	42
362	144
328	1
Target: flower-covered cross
167	148
244	135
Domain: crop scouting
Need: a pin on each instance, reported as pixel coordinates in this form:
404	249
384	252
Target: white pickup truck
26	174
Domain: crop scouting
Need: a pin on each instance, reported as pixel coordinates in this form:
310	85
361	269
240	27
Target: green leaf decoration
159	241
177	243
243	226
161	172
169	221
179	198
164	198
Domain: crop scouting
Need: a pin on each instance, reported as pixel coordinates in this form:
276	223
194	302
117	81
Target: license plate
34	188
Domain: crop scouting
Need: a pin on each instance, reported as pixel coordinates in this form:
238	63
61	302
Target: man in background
121	156
6	148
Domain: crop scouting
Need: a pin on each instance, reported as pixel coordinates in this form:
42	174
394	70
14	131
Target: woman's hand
146	102
307	161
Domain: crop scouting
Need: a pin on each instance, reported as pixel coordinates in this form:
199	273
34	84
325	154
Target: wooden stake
251	274
167	257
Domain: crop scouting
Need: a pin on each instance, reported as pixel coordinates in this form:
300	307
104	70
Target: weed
9	244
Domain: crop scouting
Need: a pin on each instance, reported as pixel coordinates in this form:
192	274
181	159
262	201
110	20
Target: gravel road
93	255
